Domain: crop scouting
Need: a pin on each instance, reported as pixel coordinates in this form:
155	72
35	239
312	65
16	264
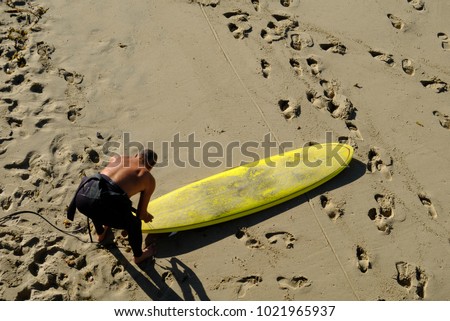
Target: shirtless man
107	200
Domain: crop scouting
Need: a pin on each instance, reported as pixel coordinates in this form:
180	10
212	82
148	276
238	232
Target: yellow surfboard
247	189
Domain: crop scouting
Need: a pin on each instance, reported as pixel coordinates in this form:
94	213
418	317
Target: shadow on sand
158	287
187	241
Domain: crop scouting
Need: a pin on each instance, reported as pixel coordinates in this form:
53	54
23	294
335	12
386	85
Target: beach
82	80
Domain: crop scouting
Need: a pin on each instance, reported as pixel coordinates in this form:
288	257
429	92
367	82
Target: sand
78	77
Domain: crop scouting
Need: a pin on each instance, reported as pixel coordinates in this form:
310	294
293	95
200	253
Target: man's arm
144	199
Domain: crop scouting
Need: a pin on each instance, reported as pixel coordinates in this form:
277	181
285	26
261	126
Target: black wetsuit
102	200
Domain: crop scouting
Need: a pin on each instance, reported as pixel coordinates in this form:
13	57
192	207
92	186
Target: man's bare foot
101	237
148	252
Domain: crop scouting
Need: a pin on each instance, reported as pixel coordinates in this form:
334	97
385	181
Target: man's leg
117	214
135	238
100	229
134	231
86	206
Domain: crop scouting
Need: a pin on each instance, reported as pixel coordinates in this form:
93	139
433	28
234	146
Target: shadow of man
188	281
155	284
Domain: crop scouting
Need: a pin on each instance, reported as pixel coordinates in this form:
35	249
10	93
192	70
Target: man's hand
147	217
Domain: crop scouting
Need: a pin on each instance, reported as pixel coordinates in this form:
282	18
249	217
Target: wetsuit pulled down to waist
107	204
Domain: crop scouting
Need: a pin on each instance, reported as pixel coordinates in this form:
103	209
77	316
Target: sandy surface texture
83	79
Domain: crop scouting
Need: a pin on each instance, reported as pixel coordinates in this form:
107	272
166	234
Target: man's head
148	158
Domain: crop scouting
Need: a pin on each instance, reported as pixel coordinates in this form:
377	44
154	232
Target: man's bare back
134	177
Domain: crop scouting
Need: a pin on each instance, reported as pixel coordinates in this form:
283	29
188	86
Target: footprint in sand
338	105
42	122
364	263
6	202
286	3
25	195
239	26
301	40
3	140
386	205
341	107
33	268
444	38
412	278
46	279
45	49
334	47
435	84
256	5
16	80
396	22
287	238
265	68
75	95
246	283
444	120
426	201
381	163
37	88
422	281
12	104
383	224
408	68
405	274
250	241
71	77
92	155
14	122
388	59
73	260
210	3
295	64
278	30
348	140
354	131
330	89
317	100
168	278
22	164
236	31
73	113
288	109
383	216
314	66
333	210
294	283
419	5
117	269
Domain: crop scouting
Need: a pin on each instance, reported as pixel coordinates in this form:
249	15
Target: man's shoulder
147	177
152	180
148	182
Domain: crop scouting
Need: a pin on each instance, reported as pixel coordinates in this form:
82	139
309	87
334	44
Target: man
105	198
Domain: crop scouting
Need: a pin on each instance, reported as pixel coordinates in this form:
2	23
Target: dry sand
79	74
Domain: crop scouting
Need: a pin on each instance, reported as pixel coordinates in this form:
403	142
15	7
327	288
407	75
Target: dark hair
149	157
